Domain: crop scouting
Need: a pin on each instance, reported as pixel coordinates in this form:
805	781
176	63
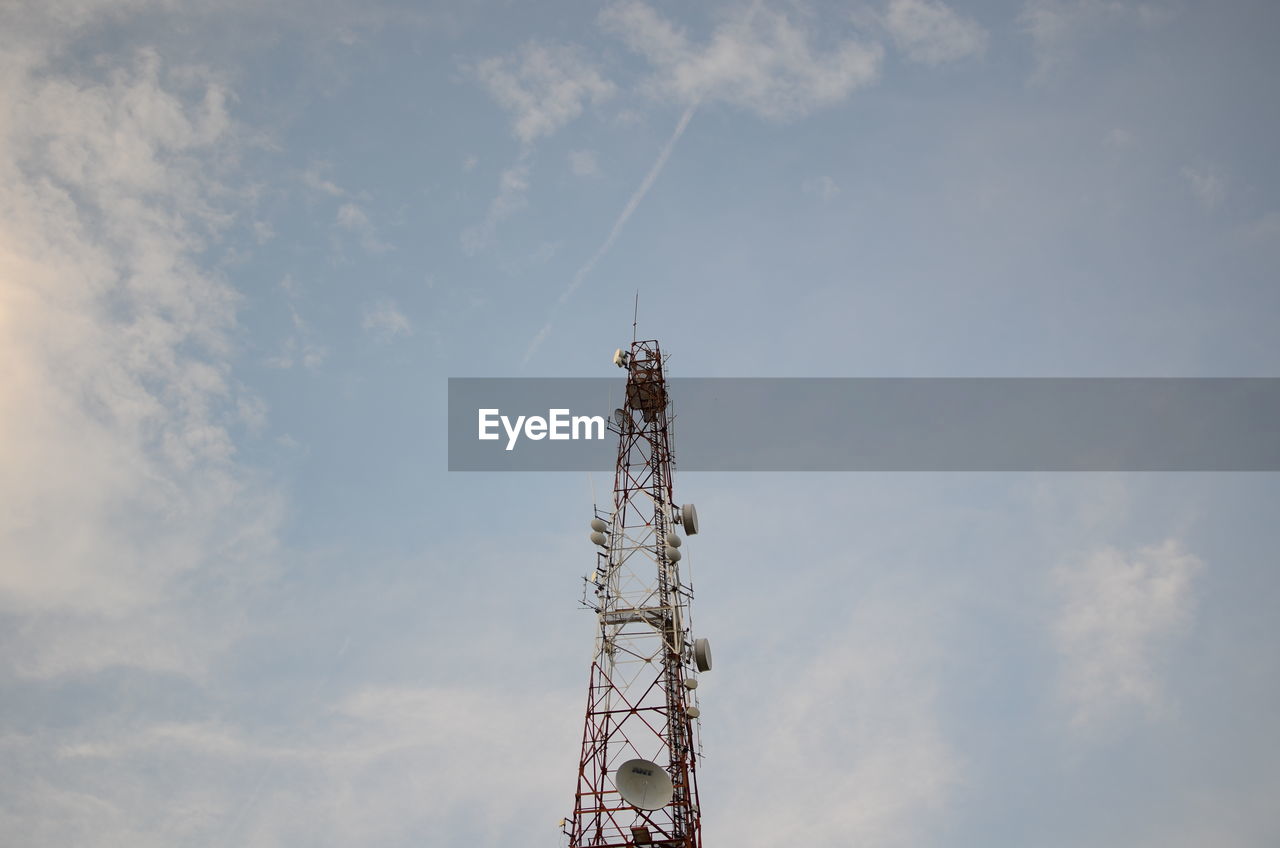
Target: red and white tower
637	777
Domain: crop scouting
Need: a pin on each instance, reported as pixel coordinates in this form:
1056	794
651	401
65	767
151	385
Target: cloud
543	87
351	771
824	187
513	186
931	33
1207	186
353	219
314	179
854	747
583	163
130	524
760	61
1120	138
1118	613
299	347
351	216
1265	230
385	320
305	735
1056	27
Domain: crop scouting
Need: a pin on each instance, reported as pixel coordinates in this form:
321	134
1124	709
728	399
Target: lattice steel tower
637	779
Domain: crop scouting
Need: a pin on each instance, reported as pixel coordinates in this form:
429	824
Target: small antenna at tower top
635	317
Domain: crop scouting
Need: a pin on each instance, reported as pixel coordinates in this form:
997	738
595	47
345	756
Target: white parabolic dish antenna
702	654
644	784
689	518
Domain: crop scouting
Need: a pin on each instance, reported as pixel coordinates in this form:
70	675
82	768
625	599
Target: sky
244	245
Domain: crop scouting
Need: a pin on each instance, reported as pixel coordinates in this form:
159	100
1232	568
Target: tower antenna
635	318
637	778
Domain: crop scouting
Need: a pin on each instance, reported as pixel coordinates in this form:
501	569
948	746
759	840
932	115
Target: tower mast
637	778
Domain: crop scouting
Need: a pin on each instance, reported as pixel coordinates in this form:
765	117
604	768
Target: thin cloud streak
633	203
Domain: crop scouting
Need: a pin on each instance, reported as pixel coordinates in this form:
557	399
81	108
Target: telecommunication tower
637	779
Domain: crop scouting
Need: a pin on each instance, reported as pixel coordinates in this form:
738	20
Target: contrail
636	196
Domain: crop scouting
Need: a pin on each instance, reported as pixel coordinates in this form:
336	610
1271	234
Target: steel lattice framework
641	701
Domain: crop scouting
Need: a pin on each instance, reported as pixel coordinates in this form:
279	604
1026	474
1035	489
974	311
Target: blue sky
241	251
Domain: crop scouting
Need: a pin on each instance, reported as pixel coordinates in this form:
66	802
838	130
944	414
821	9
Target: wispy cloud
825	187
513	186
855	749
132	523
314	178
583	163
1265	230
354	219
1118	613
1120	138
385	320
761	60
1207	186
1057	27
354	772
543	87
299	346
930	32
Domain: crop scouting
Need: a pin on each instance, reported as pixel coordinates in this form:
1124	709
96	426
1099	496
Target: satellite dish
674	541
600	539
621	358
689	519
621	418
693	712
702	654
598	525
644	784
691	683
